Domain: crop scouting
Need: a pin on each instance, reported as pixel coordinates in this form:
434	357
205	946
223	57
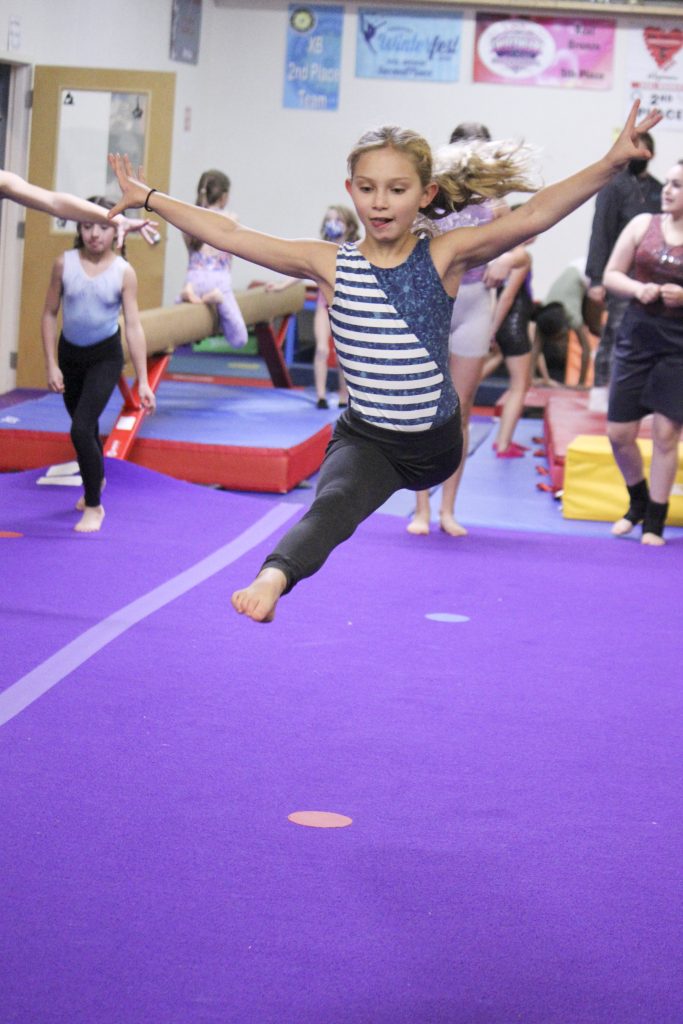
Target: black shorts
512	337
422	458
647	375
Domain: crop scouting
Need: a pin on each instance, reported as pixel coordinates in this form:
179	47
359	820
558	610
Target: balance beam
167	327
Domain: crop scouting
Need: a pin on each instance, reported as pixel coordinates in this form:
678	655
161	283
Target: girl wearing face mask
339	225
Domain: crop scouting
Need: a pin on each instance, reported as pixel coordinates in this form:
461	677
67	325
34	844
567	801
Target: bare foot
80	504
653	540
213	297
451	526
622	527
189	295
259	599
419	525
91	520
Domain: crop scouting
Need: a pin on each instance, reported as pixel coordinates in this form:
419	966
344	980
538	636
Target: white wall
288	165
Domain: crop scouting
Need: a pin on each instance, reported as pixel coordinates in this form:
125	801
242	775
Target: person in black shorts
646	267
511	332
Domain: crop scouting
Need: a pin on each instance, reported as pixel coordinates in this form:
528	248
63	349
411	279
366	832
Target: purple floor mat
511	765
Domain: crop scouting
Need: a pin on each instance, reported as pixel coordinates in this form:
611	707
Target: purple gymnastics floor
500	717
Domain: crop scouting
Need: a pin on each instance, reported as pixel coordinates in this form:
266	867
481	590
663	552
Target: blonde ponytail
473	171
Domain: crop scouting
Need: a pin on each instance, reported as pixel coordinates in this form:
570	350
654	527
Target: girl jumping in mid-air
92	284
390	301
208	276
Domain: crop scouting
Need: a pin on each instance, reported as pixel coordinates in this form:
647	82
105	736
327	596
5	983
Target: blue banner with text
313	62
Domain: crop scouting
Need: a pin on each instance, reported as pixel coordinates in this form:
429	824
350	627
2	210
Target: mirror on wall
92	124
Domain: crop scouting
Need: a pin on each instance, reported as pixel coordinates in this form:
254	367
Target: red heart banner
663	44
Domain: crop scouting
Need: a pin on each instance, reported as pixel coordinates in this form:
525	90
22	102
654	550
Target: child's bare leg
321	332
80	504
213	297
447	521
91	520
419	524
188	294
466	372
519	368
259	599
355	479
623	439
666	435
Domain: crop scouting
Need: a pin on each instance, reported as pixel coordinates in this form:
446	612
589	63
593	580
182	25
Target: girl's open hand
147	228
134	189
627	145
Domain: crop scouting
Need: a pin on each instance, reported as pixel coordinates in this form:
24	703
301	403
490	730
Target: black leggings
90	375
363	467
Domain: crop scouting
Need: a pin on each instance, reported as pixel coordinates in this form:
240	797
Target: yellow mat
594	488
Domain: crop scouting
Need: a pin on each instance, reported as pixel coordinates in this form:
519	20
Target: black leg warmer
655	515
639	497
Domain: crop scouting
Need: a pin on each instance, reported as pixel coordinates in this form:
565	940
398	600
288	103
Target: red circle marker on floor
10	533
319	819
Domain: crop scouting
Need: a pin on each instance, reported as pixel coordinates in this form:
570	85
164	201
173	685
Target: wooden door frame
42	243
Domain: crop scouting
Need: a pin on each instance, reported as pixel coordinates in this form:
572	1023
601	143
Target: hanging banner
656	73
313	61
408	45
186	26
575	53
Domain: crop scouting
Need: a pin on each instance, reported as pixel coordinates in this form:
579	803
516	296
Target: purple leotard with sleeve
470	332
471	216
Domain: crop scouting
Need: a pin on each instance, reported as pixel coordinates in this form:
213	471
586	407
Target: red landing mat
248	439
535	401
567	416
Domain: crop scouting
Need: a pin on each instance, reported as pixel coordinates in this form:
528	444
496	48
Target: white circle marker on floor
447	617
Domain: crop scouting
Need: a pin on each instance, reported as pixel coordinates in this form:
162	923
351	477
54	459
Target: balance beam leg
124	431
272	356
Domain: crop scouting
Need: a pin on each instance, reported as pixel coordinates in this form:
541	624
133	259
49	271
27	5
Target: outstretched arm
68	207
296	258
456	251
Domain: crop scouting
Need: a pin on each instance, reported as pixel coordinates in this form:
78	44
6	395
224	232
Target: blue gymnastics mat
245	438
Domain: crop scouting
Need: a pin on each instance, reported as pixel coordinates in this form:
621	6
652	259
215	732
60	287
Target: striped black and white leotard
390	330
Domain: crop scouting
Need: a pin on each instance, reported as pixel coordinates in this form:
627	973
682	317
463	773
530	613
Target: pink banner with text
574	53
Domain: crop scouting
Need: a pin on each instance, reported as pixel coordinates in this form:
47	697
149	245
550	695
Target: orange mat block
572	367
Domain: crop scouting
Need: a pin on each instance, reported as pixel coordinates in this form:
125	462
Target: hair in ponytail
472	171
211	187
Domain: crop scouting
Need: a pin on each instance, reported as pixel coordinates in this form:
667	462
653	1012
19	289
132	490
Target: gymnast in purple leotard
209	279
